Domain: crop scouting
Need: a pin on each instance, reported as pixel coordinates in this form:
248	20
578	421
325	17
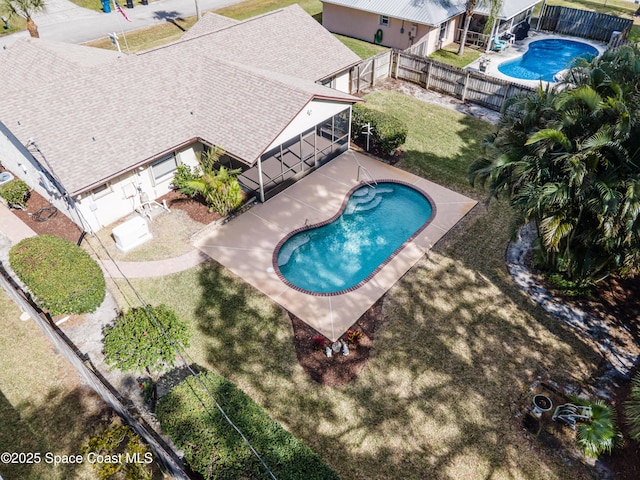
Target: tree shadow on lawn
449	371
249	336
451	171
61	425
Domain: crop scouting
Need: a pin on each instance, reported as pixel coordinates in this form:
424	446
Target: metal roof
427	12
509	9
430	12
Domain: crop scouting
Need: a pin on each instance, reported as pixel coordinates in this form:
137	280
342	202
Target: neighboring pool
345	251
545	58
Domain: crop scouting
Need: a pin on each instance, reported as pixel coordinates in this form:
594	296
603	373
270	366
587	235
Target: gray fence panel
583	23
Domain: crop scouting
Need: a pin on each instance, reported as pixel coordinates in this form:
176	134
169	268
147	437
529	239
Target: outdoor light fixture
6	22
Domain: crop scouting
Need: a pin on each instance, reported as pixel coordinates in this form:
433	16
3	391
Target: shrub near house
387	132
215	450
63	278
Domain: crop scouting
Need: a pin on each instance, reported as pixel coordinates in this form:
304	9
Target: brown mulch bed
59	224
339	369
194	207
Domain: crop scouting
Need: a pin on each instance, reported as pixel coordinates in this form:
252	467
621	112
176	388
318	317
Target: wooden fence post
464	89
426	82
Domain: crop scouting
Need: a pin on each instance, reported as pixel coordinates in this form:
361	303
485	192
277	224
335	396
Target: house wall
122	195
24	164
342	82
314	113
96	210
364	25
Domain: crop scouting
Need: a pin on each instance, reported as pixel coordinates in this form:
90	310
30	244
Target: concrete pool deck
245	245
517	49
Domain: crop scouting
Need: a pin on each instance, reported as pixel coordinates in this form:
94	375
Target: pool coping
518	49
245	245
362	282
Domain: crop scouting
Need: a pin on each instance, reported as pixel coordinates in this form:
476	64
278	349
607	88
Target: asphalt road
66	22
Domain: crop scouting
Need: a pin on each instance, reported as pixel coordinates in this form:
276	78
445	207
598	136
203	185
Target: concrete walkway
12	227
157	268
66	22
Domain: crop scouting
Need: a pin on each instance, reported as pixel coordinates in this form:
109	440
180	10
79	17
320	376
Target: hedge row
215	450
63	277
388	132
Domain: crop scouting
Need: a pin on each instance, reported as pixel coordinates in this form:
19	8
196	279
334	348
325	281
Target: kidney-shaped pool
344	252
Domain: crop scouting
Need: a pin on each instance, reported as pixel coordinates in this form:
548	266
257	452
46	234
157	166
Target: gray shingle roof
96	114
210	22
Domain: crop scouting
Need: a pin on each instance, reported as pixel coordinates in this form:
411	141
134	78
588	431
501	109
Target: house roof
96	114
430	12
427	12
509	8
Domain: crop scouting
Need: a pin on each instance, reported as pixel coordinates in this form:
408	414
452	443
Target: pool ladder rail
368	174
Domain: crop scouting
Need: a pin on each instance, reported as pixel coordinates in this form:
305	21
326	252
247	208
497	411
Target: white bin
131	234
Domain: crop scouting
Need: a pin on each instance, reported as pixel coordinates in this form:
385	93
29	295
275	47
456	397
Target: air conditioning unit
131	234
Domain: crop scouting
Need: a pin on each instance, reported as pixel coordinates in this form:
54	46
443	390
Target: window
384	20
101	191
443	30
164	167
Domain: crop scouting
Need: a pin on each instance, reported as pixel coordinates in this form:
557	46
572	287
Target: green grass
457	347
361	48
449	55
441	143
43	405
251	8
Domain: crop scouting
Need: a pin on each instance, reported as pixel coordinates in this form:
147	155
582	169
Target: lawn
43	405
449	55
456	351
361	48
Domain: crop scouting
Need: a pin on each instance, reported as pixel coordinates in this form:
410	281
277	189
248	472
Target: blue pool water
374	223
545	58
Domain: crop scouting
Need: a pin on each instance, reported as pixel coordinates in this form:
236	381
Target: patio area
246	244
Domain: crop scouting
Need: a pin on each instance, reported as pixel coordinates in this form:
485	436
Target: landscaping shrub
15	193
388	132
632	408
215	450
63	278
120	442
184	174
600	434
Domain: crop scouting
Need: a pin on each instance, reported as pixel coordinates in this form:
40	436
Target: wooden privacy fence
583	23
370	71
462	84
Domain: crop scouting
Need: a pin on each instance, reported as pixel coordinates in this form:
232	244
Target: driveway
66	22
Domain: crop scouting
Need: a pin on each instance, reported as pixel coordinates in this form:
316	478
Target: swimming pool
545	58
342	253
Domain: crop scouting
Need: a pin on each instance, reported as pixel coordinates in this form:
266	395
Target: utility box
131	234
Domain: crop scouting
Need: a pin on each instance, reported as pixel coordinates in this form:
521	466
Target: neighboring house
97	132
404	23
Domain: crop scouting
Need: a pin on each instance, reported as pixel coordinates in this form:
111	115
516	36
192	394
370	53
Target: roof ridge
195	37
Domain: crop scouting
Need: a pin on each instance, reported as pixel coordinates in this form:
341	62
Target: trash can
106	6
129	3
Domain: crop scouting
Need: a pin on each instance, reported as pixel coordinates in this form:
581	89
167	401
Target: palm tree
569	160
469	8
25	9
